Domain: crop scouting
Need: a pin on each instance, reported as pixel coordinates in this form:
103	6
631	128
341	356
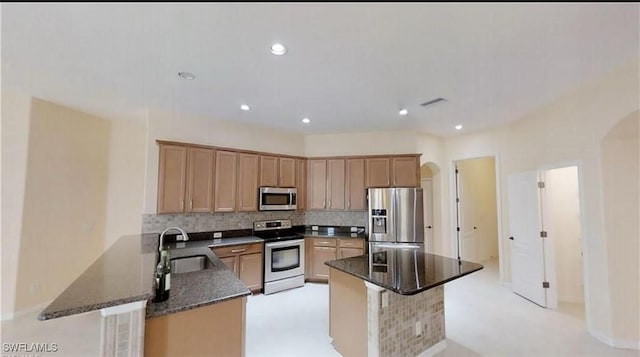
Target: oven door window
285	258
276	199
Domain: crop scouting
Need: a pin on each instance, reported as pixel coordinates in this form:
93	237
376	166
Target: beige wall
63	221
620	178
566	130
561	212
208	131
365	143
125	196
16	109
481	181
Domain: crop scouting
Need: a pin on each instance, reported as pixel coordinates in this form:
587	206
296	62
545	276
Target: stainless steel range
283	255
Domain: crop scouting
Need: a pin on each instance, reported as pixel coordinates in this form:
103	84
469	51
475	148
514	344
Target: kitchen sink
189	264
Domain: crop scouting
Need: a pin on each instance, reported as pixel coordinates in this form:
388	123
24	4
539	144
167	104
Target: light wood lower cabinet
319	250
245	261
251	270
212	330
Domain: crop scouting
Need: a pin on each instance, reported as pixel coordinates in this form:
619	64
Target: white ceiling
349	67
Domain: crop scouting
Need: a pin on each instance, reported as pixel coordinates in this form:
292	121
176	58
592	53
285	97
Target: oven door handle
285	243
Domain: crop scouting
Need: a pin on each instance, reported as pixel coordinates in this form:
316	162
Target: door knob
429	227
511	238
474	227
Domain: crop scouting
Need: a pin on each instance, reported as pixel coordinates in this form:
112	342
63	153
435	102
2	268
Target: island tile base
367	320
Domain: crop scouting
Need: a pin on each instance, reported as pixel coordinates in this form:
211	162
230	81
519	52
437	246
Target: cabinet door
200	180
317	184
335	184
405	172
355	190
287	172
225	181
350	252
268	171
321	255
247	182
378	172
251	270
172	178
230	262
301	183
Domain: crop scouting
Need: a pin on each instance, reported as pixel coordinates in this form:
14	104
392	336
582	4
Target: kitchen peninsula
390	301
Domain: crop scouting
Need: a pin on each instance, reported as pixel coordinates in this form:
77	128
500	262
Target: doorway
546	236
430	184
476	209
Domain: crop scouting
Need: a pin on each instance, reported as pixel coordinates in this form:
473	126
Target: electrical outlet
314	228
385	299
217	235
418	328
179	237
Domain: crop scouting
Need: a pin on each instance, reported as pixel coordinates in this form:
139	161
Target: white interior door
466	218
427	202
527	248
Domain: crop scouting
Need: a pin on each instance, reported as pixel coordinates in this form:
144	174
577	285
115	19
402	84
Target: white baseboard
434	350
614	342
23	312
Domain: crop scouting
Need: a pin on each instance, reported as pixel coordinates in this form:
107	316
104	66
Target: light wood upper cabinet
406	172
335	184
317	184
378	172
247	182
268	171
199	197
355	190
287	172
172	179
225	181
301	183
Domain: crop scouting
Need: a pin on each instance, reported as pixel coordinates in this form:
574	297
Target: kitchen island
391	302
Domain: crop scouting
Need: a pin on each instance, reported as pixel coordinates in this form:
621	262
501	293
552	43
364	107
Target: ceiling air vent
433	101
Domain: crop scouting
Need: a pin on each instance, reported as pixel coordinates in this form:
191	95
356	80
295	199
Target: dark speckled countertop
335	232
404	271
125	273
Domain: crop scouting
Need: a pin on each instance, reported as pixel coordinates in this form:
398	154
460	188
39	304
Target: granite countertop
214	243
404	271
335	232
200	288
123	274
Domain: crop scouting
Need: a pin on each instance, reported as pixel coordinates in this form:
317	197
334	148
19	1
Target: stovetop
277	230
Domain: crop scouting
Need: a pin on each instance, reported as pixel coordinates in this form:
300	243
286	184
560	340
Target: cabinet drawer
324	242
351	243
237	249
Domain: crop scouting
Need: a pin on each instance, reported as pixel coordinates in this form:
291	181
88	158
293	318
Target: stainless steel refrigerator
396	217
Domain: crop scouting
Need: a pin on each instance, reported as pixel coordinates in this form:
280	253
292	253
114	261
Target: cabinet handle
238	250
190	205
324	203
348	203
181	205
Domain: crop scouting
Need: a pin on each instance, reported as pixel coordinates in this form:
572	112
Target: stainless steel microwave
277	199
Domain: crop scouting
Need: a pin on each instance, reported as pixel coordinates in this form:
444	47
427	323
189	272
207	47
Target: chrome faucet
184	235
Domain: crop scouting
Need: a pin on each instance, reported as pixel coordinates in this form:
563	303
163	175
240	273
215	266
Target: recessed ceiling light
278	49
306	120
244	107
459	127
187	75
403	112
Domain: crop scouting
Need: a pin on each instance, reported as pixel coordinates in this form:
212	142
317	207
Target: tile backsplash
204	222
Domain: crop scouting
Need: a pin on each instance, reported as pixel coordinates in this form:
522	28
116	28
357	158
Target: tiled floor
482	319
